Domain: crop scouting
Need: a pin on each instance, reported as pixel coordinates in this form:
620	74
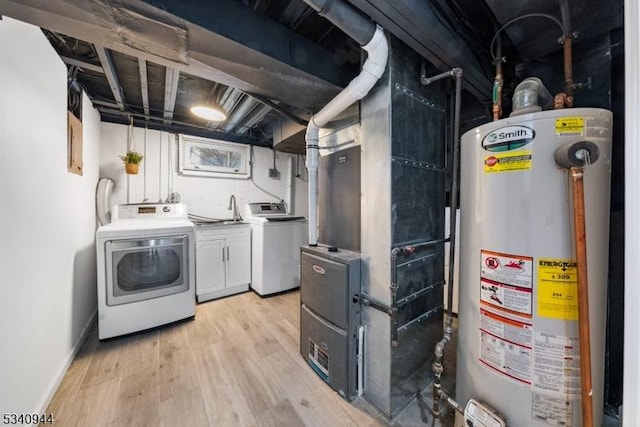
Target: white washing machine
146	268
276	238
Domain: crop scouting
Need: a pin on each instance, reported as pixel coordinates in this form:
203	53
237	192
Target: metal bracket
391	311
368	301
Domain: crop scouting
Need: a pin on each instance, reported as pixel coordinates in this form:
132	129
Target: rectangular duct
403	128
339	199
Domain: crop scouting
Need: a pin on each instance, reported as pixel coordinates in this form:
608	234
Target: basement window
213	158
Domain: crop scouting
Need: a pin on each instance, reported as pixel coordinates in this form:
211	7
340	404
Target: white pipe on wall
160	169
373	68
129	130
289	189
144	165
169	171
631	395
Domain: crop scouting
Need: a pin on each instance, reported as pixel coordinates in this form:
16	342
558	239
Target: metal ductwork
345	17
373	41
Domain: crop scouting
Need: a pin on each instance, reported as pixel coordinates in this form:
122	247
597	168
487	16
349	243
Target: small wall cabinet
223	260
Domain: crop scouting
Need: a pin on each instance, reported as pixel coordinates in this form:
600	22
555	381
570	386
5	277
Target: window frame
185	166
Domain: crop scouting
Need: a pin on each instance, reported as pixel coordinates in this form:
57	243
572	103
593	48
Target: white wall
206	196
47	222
631	397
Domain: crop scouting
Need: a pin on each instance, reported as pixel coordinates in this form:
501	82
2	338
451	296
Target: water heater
518	346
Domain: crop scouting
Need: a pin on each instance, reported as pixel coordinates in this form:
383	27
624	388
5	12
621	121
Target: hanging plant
131	161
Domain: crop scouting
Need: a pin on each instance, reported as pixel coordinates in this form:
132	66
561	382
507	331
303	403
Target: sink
230	222
226	221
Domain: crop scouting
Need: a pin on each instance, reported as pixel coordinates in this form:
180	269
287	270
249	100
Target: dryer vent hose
103	200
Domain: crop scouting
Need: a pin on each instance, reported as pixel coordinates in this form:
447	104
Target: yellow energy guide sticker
557	288
508	162
566	126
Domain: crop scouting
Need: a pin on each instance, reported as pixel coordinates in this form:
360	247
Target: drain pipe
373	41
437	366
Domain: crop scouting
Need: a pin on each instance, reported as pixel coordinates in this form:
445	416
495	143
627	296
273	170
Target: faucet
232	206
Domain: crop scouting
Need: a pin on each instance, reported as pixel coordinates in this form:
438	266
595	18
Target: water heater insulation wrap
518	335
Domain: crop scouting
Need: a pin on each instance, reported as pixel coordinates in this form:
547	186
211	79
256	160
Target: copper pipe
498	82
568	70
559	100
497	88
583	294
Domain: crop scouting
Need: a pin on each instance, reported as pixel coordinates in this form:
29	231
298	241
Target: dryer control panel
149	210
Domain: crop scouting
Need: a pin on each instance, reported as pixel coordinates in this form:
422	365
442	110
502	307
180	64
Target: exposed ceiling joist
176	126
144	85
82	64
99	103
110	73
171	79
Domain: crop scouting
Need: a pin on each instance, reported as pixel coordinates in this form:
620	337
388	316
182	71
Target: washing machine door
146	268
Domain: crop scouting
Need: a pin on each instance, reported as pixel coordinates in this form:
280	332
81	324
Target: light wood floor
236	364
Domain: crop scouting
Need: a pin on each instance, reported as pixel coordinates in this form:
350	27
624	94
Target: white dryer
146	268
276	238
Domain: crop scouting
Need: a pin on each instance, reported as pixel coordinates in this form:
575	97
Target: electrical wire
519	18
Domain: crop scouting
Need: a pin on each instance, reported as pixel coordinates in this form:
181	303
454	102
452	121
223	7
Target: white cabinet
223	260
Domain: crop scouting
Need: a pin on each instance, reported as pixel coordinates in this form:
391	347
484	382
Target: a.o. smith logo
508	138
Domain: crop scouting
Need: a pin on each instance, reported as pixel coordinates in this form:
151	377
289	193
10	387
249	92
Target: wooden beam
110	73
171	79
82	64
144	86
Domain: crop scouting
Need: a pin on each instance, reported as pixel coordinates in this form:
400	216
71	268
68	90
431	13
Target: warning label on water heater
569	126
506	334
507	162
556	365
552	411
506	358
506	282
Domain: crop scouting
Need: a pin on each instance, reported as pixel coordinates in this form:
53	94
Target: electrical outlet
274	173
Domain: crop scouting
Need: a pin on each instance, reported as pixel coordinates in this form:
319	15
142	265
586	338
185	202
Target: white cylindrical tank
518	334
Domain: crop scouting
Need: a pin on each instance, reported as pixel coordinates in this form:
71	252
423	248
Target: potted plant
131	161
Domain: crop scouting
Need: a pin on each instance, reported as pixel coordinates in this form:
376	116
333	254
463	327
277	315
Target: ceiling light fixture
208	113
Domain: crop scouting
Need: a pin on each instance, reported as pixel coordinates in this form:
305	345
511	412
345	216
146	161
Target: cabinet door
210	266
238	261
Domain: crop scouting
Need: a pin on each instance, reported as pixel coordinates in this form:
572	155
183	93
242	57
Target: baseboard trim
46	398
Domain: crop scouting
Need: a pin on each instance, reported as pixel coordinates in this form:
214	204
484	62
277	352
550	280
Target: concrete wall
47	222
207	196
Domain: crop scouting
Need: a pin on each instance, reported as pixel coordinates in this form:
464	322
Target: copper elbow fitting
559	100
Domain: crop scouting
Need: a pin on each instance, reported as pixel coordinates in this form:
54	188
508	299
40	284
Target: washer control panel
267	208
